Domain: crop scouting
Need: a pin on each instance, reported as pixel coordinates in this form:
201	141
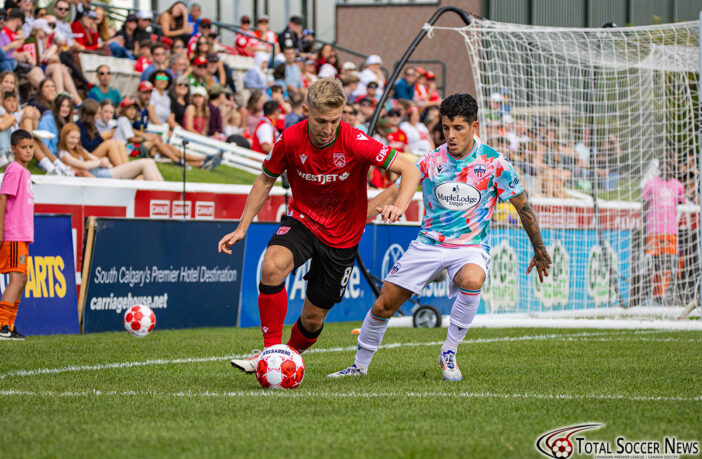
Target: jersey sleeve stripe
390	159
268	173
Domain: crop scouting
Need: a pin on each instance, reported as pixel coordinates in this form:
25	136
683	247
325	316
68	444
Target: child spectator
106	117
17	220
53	120
265	134
9	122
91	139
197	115
75	156
144	59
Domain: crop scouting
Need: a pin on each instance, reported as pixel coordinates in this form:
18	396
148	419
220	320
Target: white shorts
423	262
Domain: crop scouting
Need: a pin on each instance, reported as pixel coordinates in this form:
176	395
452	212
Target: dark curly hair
459	105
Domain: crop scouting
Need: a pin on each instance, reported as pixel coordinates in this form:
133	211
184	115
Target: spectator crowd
93	129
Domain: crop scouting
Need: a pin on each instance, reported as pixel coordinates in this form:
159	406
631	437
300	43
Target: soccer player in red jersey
327	163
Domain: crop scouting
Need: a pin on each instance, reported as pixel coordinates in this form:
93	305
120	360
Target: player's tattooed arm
541	260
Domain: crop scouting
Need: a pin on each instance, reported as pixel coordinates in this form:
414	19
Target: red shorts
13	257
662	244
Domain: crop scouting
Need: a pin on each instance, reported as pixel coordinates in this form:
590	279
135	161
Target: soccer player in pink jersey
461	183
327	162
661	196
16	230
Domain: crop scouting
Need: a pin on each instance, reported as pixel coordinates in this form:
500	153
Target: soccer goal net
602	126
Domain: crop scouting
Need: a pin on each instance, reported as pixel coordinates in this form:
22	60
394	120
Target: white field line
368	395
106	366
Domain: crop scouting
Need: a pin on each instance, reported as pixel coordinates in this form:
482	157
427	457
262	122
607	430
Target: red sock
13	315
272	307
300	338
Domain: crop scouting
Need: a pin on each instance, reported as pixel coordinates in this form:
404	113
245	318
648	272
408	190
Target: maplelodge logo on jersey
339	160
564	443
479	170
457	195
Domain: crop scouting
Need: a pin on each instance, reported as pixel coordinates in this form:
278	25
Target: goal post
603	127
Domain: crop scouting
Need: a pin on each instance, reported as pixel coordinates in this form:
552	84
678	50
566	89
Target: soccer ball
139	320
280	367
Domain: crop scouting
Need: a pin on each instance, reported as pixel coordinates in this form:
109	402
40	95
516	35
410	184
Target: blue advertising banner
49	303
579	278
171	266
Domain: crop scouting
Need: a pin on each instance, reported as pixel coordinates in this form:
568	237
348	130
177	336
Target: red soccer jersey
397	140
328	183
242	42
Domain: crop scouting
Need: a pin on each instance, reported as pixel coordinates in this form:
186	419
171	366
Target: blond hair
326	94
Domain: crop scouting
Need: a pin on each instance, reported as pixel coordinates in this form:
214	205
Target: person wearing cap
11	40
159	61
174	22
126	35
144	90
144	19
197	115
307	42
404	87
396	137
266	36
291	36
349	67
434	97
198	72
215	70
85	31
245	43
371	94
371	72
203	30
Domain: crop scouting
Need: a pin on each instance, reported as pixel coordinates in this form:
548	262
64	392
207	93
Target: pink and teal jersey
460	194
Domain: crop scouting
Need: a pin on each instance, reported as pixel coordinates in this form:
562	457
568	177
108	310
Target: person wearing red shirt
85	31
397	139
327	163
266	131
245	45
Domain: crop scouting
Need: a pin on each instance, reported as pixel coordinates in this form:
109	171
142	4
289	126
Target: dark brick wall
388	30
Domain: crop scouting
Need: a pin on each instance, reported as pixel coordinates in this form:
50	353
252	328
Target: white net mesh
583	113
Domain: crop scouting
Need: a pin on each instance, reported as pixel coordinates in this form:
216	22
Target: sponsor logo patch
395	268
303	158
457	196
380	157
282	230
159	208
361	136
23	259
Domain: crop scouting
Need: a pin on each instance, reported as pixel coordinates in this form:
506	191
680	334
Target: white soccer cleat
248	364
353	370
449	367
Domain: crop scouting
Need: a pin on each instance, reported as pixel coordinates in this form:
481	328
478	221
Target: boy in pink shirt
16	230
661	196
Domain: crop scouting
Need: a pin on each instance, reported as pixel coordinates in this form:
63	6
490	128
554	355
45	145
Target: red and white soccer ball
280	367
139	320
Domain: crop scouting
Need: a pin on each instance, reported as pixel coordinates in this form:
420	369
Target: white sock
462	314
46	165
371	336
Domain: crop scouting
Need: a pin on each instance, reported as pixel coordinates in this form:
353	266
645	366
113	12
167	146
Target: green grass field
175	394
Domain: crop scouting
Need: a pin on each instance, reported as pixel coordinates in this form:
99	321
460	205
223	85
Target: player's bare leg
470	280
272	301
308	327
373	329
